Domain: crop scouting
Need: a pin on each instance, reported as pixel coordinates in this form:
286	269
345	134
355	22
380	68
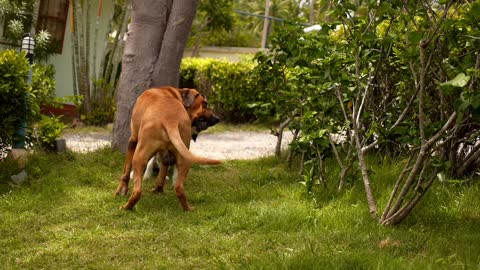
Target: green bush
18	98
228	86
43	88
103	104
49	129
13	93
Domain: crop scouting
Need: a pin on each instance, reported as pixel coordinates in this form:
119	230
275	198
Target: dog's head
196	106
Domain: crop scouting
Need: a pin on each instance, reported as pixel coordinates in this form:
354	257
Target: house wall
63	62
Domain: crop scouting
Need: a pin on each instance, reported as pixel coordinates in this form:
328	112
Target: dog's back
162	104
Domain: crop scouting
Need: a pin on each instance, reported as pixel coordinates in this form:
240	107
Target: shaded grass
248	215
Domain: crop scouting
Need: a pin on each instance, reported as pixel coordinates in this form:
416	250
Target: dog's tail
176	140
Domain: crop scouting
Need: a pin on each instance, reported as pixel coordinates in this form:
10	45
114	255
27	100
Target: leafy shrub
103	104
228	86
13	93
43	88
48	130
19	99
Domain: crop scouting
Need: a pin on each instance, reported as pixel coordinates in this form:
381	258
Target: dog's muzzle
202	123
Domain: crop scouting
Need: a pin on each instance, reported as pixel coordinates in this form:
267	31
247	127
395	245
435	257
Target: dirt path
225	145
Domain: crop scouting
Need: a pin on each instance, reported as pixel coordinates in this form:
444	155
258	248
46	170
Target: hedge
229	87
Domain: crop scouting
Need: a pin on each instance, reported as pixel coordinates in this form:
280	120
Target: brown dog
162	123
206	120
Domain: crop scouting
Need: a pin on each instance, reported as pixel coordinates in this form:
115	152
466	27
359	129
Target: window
52	16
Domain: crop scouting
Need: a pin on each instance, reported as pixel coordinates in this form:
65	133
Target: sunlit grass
248	215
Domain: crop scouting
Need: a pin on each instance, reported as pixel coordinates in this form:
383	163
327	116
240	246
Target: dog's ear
188	97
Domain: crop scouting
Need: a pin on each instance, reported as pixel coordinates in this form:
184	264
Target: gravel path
225	145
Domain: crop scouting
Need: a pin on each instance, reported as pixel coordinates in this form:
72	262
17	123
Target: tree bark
74	48
180	19
82	74
153	51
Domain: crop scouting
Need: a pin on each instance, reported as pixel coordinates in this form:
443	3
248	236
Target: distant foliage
228	86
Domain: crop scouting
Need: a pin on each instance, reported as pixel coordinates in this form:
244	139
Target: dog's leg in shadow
122	188
160	182
139	165
140	158
182	167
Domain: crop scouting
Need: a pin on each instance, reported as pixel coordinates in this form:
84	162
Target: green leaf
459	81
414	37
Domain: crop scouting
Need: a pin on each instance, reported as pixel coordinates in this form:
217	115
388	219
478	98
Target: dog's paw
188	209
126	207
121	191
157	189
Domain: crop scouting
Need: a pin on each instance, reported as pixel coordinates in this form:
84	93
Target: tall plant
96	85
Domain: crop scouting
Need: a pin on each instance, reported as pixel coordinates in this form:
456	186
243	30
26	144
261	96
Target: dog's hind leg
183	167
139	162
160	183
127	167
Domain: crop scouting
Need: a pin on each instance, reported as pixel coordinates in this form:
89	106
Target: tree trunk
82	74
198	42
283	125
74	48
154	48
266	24
87	52
167	67
94	60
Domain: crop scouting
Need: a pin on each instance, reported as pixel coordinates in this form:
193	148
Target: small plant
49	129
102	105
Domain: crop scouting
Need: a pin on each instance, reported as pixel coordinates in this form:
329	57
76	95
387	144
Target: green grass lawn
248	215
